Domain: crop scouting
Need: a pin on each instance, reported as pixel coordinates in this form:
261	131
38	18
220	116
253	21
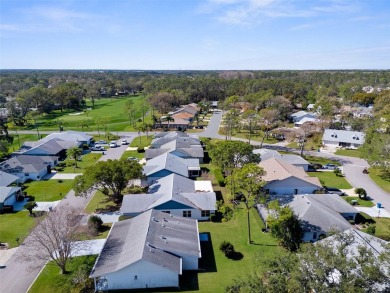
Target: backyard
85	161
99	202
329	179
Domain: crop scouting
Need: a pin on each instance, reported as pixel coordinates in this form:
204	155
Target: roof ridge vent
155	219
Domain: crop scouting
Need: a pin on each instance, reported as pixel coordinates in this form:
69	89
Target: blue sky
199	35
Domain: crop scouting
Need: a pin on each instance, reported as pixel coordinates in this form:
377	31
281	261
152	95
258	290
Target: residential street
19	274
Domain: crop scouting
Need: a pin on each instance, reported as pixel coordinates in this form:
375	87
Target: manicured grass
360	202
330	179
86	161
348	153
133	154
20	139
142	141
15	225
380	178
109	111
48	190
98	202
310	146
221	270
382	228
50	279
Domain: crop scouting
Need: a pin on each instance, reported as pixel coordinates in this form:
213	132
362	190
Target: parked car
330	166
124	141
334	191
113	144
97	148
101	142
132	159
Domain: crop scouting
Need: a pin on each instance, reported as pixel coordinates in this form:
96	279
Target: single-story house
70	135
305	120
182	147
343	138
8	195
7	179
167	164
190	109
285	179
298	116
174	194
29	167
148	251
55	147
310	107
322	213
165	137
294	160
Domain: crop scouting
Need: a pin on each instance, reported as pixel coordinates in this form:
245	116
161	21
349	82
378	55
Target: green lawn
86	161
142	141
13	225
360	202
382	228
222	271
109	111
380	178
133	154
50	279
98	201
48	190
20	139
330	179
348	153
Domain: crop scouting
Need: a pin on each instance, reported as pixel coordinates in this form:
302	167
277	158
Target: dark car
333	190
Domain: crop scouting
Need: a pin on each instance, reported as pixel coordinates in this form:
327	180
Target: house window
315	235
205	213
135	277
26	174
187	214
295	191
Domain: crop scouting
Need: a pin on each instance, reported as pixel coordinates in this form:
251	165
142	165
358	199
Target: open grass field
330	179
15	225
50	279
142	141
98	201
380	178
348	153
48	190
133	154
86	161
107	114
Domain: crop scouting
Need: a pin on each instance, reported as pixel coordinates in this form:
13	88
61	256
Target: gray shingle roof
69	135
26	164
5	192
345	136
266	154
334	202
153	236
171	136
171	163
316	216
172	187
6	178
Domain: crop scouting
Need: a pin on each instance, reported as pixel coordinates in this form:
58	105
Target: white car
113	144
124	142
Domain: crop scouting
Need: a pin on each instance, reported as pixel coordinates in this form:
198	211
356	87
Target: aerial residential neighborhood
194	146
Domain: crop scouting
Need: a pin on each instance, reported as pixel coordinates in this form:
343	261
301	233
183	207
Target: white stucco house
176	195
285	179
149	251
342	138
8	195
29	167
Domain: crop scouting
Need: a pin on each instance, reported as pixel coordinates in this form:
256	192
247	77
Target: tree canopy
110	177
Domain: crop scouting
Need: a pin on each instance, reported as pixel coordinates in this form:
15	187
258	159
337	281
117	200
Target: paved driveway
116	153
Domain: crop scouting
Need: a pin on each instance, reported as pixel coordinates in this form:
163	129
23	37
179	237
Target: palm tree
74	153
83	124
169	118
